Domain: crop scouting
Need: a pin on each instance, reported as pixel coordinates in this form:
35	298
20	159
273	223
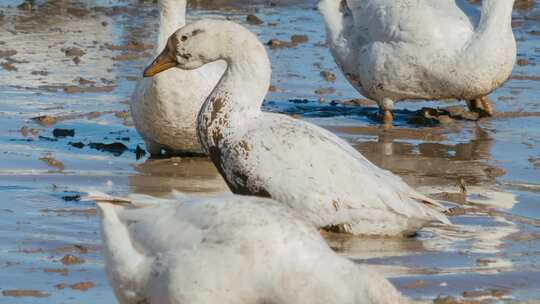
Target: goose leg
473	105
488	107
387	117
386	106
481	106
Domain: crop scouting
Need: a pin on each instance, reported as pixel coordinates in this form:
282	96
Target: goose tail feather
433	208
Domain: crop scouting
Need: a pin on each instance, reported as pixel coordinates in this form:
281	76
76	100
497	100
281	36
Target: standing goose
292	161
226	249
391	50
164	108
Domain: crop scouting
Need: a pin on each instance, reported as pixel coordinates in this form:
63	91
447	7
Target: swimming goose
164	108
292	161
226	249
391	50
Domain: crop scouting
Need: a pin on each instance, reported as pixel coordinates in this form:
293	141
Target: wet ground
73	65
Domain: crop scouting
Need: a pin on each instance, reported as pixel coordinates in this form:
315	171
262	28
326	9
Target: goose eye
183	38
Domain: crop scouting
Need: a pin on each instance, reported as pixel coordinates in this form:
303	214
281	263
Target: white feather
392	50
297	163
165	107
228	249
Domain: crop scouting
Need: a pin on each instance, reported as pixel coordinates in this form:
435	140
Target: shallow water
493	249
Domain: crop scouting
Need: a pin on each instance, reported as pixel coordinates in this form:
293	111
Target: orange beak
163	62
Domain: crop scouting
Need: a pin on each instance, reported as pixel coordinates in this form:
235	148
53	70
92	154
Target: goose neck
244	84
172	16
239	94
496	15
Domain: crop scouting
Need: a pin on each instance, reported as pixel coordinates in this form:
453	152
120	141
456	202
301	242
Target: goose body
292	161
164	108
226	249
391	50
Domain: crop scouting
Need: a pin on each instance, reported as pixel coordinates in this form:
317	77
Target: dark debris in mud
72	198
78	144
492	295
128	56
294	41
68	212
84	81
46	138
354	102
9	67
115	148
60	133
130	46
20	293
253	20
49	120
52	162
7	53
444	116
72	89
323	91
70	259
75	248
45	120
328	76
449	115
81	286
40	73
73	52
60	271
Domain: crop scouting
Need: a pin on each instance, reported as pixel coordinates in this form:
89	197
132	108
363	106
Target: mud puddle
74	64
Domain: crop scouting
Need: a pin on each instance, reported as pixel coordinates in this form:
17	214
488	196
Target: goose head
199	43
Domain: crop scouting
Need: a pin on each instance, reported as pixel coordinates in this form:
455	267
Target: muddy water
491	253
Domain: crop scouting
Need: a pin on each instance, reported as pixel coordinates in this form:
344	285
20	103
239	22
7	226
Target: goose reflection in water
159	177
427	157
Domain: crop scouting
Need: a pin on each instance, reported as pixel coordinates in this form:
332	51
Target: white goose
165	108
226	249
392	50
297	163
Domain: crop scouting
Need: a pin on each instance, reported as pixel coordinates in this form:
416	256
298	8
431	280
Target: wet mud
68	69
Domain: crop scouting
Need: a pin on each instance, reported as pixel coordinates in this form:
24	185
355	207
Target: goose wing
298	162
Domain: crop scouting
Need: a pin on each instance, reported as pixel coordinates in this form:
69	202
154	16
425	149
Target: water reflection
480	235
369	247
428	160
161	176
474	243
435	161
